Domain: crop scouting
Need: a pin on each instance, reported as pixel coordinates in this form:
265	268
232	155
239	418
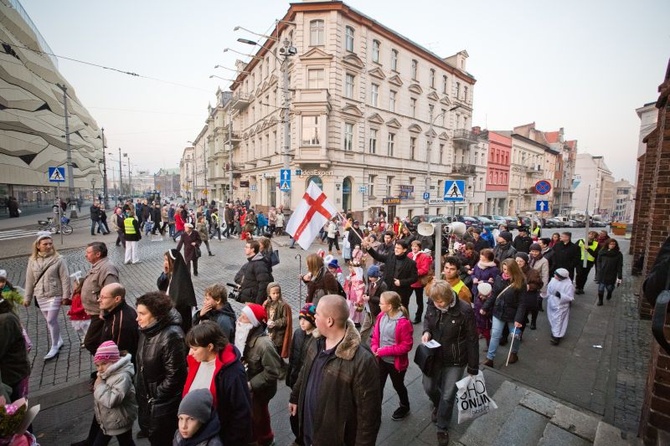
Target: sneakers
513	358
400	413
55	349
443	438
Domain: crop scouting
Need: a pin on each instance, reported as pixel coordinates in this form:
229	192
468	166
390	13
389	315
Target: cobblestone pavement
609	382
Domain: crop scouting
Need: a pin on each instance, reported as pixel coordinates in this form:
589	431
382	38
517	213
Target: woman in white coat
48	281
560	292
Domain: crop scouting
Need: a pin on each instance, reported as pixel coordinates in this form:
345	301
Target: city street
594	370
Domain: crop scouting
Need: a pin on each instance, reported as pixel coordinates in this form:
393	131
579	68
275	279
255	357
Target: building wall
32	123
342	133
526	168
498	173
593	172
624	199
186	173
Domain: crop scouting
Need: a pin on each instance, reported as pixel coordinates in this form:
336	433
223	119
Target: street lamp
429	153
93	188
286	51
70	177
120	173
222	78
232	69
225	50
105	195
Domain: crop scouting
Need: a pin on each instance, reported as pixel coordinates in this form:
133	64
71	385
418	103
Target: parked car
553	223
487	222
511	221
497	219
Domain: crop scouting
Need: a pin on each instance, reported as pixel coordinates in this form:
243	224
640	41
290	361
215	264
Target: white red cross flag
311	214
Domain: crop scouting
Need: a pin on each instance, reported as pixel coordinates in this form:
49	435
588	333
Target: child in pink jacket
391	342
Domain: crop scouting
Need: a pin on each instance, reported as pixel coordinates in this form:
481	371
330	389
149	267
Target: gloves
558	294
618	282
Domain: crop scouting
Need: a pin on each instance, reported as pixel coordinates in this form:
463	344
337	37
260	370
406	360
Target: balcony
464	169
465	136
240	101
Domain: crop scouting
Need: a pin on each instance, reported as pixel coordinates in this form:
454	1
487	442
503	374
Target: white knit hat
484	288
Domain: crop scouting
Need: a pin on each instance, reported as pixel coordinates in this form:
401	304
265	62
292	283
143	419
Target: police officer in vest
132	234
589	250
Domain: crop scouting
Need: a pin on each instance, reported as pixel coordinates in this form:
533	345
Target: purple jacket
483	275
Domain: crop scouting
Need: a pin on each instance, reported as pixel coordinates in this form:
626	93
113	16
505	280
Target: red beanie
256	314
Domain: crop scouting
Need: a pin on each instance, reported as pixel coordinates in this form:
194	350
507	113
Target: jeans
496	334
602	287
441	389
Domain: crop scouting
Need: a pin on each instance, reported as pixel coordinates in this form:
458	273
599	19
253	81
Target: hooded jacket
348	408
230	391
161	365
254	278
398	267
114	398
456	331
403	342
225	317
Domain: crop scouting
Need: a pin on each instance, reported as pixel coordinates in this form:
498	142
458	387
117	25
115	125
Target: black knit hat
197	404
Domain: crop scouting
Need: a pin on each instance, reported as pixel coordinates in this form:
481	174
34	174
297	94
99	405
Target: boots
609	295
600	299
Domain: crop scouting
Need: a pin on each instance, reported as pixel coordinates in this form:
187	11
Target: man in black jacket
400	272
566	254
120	319
254	276
522	241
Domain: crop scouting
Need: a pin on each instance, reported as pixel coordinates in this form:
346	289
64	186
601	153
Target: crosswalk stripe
16	233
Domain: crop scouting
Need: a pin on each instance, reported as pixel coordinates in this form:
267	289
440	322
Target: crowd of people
207	376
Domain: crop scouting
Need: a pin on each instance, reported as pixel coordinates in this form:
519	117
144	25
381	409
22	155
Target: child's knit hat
107	352
197	404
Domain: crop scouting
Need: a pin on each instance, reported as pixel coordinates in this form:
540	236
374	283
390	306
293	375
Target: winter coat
324	283
185	241
483	272
120	326
299	345
280	334
262	362
225	317
657	279
566	256
102	273
94	213
534	285
508	305
522	244
114	399
403	342
424	262
55	282
609	266
201	229
481	243
348	408
374	298
254	278
179	221
208	435
14	365
398	267
456	331
161	365
230	391
541	265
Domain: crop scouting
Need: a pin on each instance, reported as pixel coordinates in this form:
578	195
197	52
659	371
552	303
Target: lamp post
105	195
120	174
93	188
130	179
287	50
70	177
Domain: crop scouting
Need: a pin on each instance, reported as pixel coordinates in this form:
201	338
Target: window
441	153
431	110
374	95
349	82
443	112
394	60
392	96
310	131
375	51
458	90
348	136
465	93
316	32
412	147
372	147
412	107
371	185
415	69
444	84
391	144
432	78
315	79
389	186
349	39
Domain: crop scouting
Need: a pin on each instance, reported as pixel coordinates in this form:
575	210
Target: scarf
483	265
242	330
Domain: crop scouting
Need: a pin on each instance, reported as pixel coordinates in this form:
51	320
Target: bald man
120	324
338	384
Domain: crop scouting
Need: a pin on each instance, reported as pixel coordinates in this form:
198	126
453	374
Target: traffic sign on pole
426	195
542	205
543	187
285	179
454	190
57	174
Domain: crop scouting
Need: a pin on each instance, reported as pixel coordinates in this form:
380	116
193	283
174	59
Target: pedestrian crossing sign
57	174
454	190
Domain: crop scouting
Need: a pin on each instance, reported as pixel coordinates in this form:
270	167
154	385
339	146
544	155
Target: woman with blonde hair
391	342
451	322
508	308
48	281
319	280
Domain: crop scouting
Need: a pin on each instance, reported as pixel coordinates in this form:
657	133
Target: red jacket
423	262
178	222
403	342
77	312
224	358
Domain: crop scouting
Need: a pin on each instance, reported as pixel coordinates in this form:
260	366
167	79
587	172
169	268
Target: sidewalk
602	384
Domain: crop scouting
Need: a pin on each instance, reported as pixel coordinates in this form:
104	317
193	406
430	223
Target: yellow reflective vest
593	246
128	226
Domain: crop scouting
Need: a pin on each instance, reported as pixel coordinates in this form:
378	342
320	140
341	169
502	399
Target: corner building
367	106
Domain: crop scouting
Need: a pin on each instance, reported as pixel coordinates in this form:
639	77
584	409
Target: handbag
424	357
274	258
198	252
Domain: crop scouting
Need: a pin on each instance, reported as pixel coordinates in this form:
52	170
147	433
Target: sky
581	65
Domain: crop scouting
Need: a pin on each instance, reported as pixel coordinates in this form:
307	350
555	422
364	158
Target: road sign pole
59	216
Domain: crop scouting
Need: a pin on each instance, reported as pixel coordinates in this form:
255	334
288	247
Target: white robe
558	309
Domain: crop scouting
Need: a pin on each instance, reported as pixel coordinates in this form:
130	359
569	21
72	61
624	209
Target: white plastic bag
472	398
